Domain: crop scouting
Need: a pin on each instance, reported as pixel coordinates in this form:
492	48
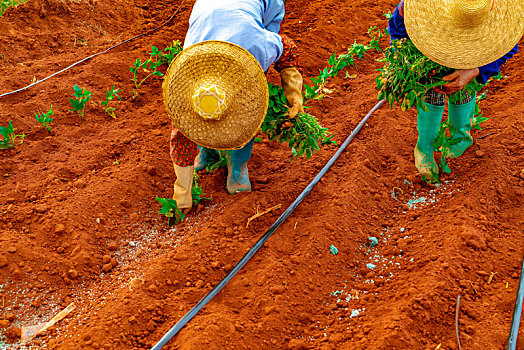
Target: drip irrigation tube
96	54
515	323
187	317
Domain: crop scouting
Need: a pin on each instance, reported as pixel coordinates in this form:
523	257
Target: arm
460	78
289	69
397	28
273	15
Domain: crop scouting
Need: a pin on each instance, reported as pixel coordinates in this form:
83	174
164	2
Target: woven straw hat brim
467	42
235	72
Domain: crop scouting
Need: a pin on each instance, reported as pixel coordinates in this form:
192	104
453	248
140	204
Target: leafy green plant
303	133
9	136
222	163
110	94
196	191
407	75
5	4
82	96
170	210
336	64
45	118
156	58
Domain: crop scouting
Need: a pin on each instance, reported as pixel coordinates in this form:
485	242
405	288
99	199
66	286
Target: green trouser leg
428	125
460	117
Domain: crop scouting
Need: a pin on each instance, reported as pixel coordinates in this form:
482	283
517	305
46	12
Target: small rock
107	267
199	284
10	317
4	324
133	217
113	262
479	153
180	257
13	333
11	249
3	261
41	208
125	204
36	303
106	259
152	288
59	229
72	274
112	246
279	289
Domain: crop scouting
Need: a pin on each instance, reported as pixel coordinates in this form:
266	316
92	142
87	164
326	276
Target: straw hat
464	34
216	94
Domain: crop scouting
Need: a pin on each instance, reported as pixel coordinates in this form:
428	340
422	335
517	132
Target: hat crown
209	101
471	13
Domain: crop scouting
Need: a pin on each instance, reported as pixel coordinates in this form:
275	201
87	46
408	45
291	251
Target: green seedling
222	162
156	59
9	136
170	210
110	94
45	118
196	191
303	134
82	96
336	64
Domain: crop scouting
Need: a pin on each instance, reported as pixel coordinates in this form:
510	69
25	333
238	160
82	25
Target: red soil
69	212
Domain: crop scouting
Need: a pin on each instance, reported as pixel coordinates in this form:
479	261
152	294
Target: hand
292	85
293	111
457	80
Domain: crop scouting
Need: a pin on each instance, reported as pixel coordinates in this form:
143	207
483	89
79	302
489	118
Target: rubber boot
237	174
207	156
428	125
460	118
182	188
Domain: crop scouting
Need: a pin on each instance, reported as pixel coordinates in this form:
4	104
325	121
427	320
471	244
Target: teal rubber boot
207	156
428	125
460	118
237	174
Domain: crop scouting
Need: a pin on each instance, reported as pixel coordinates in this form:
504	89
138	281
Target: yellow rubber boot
182	188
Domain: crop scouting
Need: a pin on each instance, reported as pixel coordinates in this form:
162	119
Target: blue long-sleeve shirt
251	24
397	30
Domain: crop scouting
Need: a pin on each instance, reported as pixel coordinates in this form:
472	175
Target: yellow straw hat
464	34
216	94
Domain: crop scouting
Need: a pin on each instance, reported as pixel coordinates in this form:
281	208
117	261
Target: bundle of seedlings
407	75
303	133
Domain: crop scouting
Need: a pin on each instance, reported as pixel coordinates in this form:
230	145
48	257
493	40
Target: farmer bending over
216	92
472	36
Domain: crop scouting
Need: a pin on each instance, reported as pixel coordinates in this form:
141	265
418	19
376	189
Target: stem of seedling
45	119
110	94
82	96
9	136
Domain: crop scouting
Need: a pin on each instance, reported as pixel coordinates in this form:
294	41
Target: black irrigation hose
187	317
514	332
96	54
